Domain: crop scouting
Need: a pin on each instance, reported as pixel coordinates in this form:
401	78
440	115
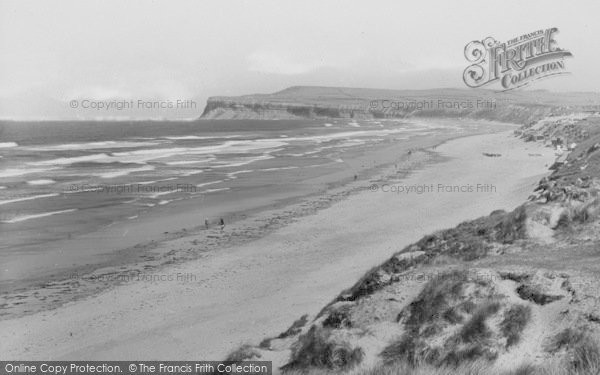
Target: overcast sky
54	51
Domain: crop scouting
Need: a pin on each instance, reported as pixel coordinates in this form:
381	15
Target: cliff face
523	107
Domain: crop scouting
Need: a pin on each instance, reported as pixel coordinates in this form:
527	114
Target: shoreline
149	257
143	255
188	311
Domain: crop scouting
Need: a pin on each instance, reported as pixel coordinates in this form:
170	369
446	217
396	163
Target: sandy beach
204	308
299	188
113	221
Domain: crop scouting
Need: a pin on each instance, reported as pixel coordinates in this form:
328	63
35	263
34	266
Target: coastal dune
253	290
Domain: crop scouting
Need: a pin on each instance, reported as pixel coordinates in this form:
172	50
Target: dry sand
246	292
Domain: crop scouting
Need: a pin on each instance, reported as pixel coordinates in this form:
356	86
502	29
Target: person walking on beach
206	223
222	223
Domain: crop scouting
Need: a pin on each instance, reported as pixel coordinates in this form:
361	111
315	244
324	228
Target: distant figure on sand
206	223
355	177
222	223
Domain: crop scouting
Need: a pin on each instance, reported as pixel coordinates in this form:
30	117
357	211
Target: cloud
98	93
275	63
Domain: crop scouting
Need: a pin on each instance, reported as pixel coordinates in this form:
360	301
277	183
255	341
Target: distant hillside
521	107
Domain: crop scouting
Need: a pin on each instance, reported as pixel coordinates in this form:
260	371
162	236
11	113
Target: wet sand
204	307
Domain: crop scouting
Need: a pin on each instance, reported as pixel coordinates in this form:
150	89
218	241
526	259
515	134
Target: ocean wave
91	146
277	169
84	190
72	160
232	175
198	137
144	204
243	161
186	137
36	216
14	200
156	195
191	173
348	143
155	181
186	162
144	155
346	134
15	172
41	182
123	172
228	147
8	144
207	191
209	183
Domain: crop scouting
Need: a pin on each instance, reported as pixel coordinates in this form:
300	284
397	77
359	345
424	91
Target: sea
63	179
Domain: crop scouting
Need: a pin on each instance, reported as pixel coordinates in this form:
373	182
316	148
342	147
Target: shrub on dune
514	321
318	349
243	353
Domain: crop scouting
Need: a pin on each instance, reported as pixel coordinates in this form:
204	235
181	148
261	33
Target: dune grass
475	328
588	364
318	349
439	305
565	339
293	330
514	321
243	353
434	298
